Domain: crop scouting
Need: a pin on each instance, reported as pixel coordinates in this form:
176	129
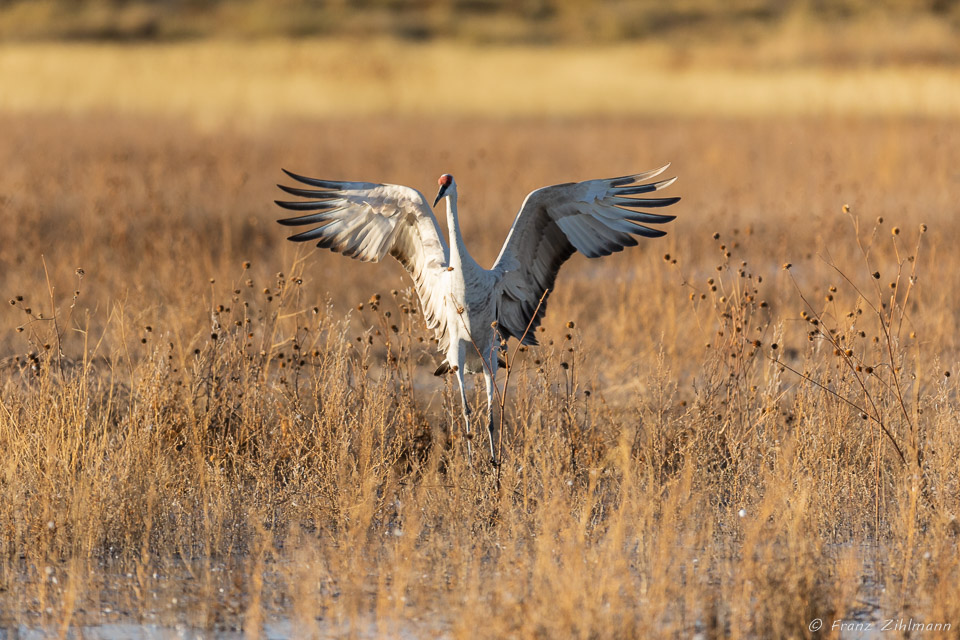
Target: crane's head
447	187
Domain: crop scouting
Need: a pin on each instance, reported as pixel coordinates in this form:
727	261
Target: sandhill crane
472	309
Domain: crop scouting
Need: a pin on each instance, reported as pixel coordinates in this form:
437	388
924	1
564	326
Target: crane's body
469	292
473	310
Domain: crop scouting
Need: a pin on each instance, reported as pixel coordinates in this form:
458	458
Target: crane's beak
443	190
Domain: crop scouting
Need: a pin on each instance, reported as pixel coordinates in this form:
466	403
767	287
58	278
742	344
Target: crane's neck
458	251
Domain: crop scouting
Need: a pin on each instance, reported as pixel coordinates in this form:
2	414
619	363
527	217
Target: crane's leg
490	378
461	361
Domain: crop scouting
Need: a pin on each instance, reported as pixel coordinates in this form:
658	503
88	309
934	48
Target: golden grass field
244	85
203	427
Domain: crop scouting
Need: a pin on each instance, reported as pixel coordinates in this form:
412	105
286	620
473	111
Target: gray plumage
460	299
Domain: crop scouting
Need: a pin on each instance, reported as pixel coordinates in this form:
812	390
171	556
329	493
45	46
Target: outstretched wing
368	221
596	218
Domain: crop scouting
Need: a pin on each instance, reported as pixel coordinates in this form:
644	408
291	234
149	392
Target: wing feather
368	221
595	217
641	216
644	202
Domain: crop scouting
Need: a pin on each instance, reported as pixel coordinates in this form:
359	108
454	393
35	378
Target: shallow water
276	630
132	631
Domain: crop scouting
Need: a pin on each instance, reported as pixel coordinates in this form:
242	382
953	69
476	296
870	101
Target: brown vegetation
203	426
246	86
482	21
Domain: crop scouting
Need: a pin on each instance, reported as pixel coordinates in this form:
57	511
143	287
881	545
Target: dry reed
204	427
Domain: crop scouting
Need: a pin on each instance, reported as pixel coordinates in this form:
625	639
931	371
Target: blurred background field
239	62
230	83
208	426
926	24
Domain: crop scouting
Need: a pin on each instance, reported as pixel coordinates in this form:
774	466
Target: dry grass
225	446
242	85
892	22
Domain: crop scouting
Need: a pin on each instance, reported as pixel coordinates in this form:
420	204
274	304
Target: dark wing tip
667	219
292	206
307	205
309	193
647	232
645	203
312	234
314	182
